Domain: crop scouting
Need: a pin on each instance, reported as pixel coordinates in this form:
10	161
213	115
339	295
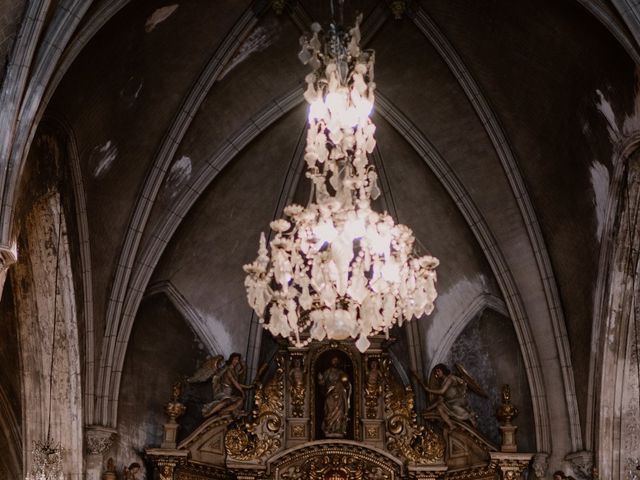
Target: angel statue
449	394
226	380
131	472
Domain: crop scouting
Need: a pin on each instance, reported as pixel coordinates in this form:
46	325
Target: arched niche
324	392
488	348
162	350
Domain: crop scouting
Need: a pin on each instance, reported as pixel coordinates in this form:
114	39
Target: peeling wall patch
220	333
102	157
259	39
600	184
630	123
451	306
605	108
159	16
131	91
179	174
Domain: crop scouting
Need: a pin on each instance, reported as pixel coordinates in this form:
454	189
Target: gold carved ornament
511	469
373	388
297	387
335	466
261	436
405	437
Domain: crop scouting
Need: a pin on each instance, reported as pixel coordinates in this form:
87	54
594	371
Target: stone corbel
581	463
98	441
8	256
540	464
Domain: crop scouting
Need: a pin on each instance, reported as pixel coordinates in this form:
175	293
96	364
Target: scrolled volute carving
262	434
418	444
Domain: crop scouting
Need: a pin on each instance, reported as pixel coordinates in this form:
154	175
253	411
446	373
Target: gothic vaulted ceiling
496	126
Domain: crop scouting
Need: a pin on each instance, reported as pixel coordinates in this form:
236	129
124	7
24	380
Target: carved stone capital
8	256
540	464
581	463
98	439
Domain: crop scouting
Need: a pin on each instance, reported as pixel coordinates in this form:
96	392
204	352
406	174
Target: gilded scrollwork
474	473
510	468
418	444
262	434
335	466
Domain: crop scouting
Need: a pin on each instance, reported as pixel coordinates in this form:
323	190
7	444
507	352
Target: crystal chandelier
338	268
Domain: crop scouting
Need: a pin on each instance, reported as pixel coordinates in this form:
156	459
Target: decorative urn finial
175	409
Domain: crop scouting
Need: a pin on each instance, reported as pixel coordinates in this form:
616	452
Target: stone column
98	441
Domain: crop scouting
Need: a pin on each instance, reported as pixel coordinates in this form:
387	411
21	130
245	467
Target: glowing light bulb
364	108
317	110
355	228
391	272
325	231
336	103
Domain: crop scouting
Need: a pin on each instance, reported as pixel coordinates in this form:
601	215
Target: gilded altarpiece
328	412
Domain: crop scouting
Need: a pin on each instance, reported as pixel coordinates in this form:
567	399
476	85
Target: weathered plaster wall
10	16
422	203
133	79
162	350
554	59
220	234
